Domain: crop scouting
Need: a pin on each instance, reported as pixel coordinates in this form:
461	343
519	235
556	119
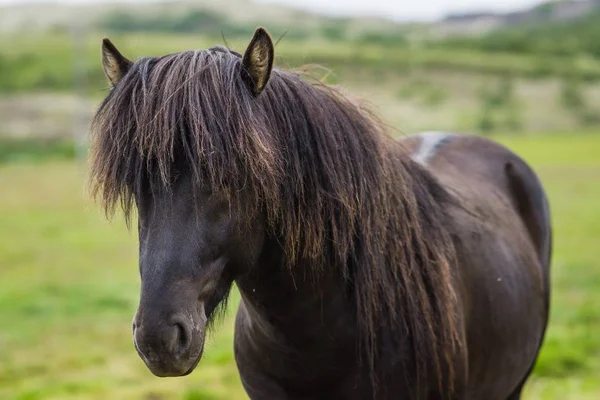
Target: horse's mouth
194	365
159	370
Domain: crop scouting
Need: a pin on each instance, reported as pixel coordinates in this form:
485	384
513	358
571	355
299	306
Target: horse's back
473	160
502	222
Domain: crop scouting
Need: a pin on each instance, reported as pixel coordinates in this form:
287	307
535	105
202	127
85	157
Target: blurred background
526	73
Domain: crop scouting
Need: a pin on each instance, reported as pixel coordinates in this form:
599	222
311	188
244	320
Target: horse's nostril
183	337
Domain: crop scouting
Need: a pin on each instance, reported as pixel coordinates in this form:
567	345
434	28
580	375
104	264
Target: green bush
500	95
383	38
193	21
422	90
485	122
513	118
334	31
434	96
414	88
542	37
571	94
500	109
588	117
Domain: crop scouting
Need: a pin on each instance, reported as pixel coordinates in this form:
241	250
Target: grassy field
69	288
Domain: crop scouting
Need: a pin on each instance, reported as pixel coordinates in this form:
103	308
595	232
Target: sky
394	9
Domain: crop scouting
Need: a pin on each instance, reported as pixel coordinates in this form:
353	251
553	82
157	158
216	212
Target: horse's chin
160	371
194	365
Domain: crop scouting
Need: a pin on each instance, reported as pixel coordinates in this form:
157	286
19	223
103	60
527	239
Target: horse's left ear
114	64
258	61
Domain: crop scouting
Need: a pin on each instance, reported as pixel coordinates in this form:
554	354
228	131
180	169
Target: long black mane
338	190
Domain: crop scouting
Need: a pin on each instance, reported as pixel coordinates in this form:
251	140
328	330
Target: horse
368	267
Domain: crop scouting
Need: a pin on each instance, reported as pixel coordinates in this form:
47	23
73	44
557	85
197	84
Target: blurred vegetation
572	96
424	92
500	110
535	50
35	149
579	37
38	63
204	22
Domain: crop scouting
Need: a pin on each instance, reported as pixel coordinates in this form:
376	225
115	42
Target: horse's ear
114	64
258	61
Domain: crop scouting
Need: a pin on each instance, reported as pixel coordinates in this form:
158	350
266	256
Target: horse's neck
292	295
283	308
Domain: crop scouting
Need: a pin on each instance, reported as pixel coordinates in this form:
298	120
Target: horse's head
192	247
164	155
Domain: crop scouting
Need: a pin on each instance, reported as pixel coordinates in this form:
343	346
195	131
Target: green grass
35	149
69	288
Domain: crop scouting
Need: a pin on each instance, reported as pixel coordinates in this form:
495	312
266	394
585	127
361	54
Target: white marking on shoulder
428	145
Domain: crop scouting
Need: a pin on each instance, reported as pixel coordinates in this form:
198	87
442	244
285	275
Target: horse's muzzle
171	347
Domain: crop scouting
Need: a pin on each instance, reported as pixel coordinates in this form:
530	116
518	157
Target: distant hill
245	13
557	27
476	23
569	29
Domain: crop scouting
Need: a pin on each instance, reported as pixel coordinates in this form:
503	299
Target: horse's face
192	247
193	244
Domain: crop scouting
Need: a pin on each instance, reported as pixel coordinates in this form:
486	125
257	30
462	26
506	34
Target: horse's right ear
114	64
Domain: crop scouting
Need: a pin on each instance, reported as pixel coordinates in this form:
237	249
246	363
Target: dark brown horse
369	268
